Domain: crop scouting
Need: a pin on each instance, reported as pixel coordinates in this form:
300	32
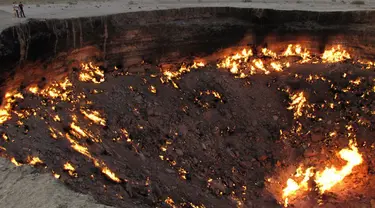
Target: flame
152	89
170	202
34	160
335	54
91	73
267	52
84	151
110	174
298	103
58	90
33	89
326	179
232	62
182	172
197	65
14	161
78	130
57	176
9	99
71	170
94	116
292	186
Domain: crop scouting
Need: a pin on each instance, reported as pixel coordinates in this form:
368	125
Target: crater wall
177	34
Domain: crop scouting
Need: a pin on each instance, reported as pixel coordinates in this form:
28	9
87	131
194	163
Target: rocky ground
204	138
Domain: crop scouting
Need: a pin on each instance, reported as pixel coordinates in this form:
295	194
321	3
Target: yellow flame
33	89
326	179
94	116
78	129
152	89
297	104
71	170
91	73
14	161
34	160
292	186
110	174
335	54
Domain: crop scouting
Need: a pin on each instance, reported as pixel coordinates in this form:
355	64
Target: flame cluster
91	73
326	179
170	75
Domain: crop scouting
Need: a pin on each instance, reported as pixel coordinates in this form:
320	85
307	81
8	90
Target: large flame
335	54
326	179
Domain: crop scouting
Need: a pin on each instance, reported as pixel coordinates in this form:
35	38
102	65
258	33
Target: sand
45	9
22	187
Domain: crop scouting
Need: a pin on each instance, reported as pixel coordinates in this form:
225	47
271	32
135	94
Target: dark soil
228	146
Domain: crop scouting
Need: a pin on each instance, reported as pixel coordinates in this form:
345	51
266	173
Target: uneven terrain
199	135
135	104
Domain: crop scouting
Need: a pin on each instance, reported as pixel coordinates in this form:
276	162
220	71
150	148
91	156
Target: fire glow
325	180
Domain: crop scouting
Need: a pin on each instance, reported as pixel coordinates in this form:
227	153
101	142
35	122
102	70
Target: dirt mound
24	187
202	135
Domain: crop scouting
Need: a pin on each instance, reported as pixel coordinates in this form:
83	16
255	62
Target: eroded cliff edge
176	34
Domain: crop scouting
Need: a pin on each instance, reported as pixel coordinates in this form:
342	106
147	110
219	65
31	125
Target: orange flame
91	73
71	170
14	161
331	176
327	179
94	116
298	103
34	160
110	174
335	54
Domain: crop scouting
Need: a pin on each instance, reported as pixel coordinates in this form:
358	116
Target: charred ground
215	141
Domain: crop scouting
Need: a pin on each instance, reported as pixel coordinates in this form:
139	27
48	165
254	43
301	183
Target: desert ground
72	9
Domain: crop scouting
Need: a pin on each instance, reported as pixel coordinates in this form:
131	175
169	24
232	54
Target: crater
195	107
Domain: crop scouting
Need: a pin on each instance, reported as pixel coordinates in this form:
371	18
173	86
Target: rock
204	146
156	189
139	99
142	156
168	170
129	189
310	153
275	118
372	202
245	164
139	69
218	185
182	129
179	152
254	123
150	112
316	137
262	158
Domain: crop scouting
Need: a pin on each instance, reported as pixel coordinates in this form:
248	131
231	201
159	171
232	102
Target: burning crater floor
201	136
